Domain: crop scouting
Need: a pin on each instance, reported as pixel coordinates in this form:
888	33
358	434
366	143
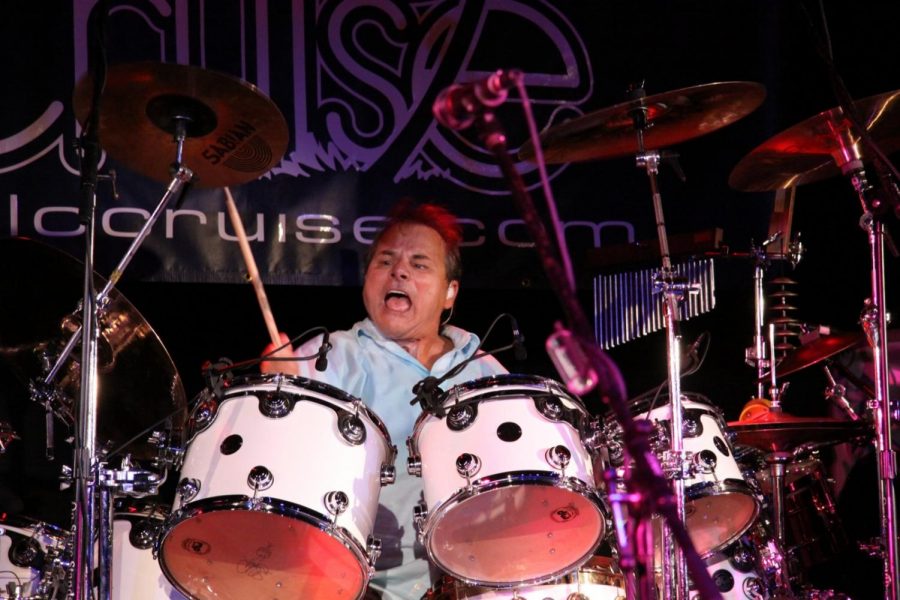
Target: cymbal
234	132
672	117
816	148
780	432
138	384
824	346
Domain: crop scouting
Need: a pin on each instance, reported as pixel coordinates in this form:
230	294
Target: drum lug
704	461
275	405
352	429
592	435
559	457
414	465
460	416
260	478
388	474
187	489
143	534
336	502
467	465
204	413
420	514
373	548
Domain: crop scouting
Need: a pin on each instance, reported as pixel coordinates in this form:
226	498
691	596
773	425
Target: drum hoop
500	481
518	385
264	505
245	382
586	574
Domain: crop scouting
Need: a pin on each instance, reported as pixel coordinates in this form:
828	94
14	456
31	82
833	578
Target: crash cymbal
234	132
817	350
672	117
776	431
816	148
138	384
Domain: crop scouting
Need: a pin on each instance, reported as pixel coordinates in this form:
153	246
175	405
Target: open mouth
397	300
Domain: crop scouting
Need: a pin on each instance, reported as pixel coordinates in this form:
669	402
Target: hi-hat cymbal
138	384
672	117
775	431
234	132
818	147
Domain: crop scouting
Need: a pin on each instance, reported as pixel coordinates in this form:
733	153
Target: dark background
671	45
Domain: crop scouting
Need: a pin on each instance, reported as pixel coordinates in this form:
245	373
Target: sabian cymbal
816	148
234	132
780	432
138	384
672	117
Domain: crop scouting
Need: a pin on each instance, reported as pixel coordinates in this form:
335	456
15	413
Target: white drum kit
522	486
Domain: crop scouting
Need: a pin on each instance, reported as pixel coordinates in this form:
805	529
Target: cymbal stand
647	481
874	322
92	481
675	463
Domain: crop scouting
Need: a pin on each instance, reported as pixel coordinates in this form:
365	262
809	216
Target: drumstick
252	272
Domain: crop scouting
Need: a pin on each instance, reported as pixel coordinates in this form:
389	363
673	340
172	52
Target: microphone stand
651	491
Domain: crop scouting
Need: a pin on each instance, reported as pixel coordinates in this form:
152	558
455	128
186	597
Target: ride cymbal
138	385
818	147
234	133
671	117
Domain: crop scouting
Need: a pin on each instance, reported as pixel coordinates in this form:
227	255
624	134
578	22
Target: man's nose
400	271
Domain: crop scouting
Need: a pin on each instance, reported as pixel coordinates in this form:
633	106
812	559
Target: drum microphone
519	351
457	106
322	360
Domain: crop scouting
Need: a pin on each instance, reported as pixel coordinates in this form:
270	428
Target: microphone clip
427	395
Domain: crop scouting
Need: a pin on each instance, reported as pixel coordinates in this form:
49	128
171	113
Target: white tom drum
29	568
278	494
509	489
720	505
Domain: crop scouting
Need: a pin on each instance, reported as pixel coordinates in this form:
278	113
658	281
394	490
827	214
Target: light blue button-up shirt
365	364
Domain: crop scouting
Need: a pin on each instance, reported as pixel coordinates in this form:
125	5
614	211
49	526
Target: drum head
235	555
716	520
518	533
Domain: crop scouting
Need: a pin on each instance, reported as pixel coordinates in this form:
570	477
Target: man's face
406	285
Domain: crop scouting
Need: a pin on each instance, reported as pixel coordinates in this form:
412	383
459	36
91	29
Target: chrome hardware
420	514
705	461
461	416
550	407
204	413
275	405
414	466
336	502
373	549
352	429
187	489
691	427
260	478
558	456
467	465
388	474
143	534
592	435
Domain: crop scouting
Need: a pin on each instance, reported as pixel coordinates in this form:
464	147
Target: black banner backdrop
356	81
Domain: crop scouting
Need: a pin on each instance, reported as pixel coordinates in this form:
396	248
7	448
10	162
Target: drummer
411	283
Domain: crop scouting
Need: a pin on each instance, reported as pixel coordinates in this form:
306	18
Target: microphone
426	392
322	360
457	106
519	351
571	362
